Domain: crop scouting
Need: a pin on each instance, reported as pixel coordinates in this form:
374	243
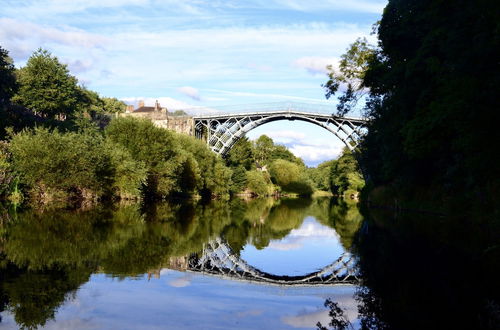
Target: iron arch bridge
218	259
221	131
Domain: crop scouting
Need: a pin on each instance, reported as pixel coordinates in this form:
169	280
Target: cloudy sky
199	53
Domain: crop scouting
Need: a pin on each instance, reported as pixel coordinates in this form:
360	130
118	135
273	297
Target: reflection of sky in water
200	302
305	250
179	300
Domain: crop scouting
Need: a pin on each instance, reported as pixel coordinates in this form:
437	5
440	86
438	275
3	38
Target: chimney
157	106
141	104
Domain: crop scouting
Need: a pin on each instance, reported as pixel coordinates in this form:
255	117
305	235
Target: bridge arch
218	259
222	131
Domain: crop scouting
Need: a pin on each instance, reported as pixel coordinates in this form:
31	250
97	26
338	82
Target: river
259	264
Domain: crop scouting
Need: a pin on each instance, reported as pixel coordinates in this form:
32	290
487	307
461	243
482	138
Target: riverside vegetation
61	141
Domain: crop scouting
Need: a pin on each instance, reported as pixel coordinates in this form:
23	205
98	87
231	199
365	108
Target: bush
258	183
6	172
154	147
291	177
213	177
52	162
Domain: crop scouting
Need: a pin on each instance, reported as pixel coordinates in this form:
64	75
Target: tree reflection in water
46	256
422	272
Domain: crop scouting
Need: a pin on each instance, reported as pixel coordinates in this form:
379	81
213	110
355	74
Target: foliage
153	146
320	175
53	161
179	113
10	115
352	68
113	105
7	175
290	177
47	88
339	320
241	154
239	179
262	154
213	178
265	151
128	174
258	182
345	174
263	148
175	164
433	104
8	84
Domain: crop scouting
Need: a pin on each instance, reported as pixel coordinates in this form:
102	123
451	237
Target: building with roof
161	117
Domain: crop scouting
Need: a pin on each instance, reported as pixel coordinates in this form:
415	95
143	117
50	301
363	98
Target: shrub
51	161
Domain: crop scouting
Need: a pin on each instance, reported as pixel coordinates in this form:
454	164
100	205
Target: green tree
155	147
320	175
241	154
432	85
113	105
291	177
263	147
284	172
7	175
47	88
210	175
345	175
238	179
352	69
258	183
8	84
179	113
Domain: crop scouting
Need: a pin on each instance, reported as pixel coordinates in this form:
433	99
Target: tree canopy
47	88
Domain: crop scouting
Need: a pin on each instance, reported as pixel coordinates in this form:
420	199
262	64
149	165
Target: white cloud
170	103
191	92
309	319
14	32
180	282
78	66
286	136
312	150
314	64
316	154
321	5
297	236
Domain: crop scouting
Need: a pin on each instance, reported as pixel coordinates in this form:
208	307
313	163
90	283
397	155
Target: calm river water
260	264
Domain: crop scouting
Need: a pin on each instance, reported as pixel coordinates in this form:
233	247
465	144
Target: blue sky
199	53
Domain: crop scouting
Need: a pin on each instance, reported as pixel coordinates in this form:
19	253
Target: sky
194	53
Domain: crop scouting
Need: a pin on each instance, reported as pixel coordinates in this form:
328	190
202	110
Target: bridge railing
257	108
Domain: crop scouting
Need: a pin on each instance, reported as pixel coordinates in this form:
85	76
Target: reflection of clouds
307	320
251	312
180	282
310	319
309	230
76	323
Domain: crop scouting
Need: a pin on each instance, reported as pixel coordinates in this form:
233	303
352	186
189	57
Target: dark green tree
241	154
47	88
345	174
8	84
433	102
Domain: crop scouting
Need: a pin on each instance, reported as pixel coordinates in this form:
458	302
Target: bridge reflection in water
218	259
